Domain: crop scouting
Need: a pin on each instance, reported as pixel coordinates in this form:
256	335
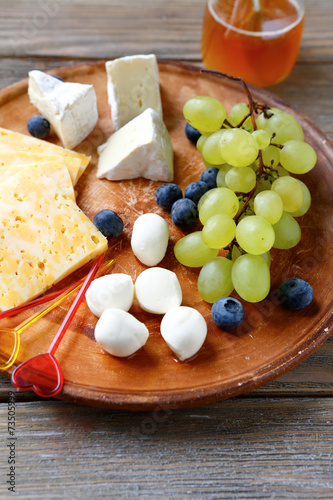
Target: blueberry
109	223
167	194
58	78
38	127
295	294
192	133
227	313
184	213
209	177
195	190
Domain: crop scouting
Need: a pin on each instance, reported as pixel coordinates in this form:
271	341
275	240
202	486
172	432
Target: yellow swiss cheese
11	158
55	169
44	236
21	142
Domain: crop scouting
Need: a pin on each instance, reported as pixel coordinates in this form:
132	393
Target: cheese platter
270	341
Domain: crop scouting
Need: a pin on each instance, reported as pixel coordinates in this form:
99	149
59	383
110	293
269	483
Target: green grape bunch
254	207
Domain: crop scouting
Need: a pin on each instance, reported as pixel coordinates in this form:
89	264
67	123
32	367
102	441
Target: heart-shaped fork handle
42	373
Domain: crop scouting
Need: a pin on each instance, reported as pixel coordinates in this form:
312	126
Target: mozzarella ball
120	333
157	290
110	291
150	238
184	329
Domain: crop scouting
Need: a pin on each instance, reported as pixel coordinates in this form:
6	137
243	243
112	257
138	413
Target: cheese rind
25	143
71	108
44	236
142	148
132	85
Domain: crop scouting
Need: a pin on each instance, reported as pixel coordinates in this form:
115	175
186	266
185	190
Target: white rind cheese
142	148
71	108
44	236
132	85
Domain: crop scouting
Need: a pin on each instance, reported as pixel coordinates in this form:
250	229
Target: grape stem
246	88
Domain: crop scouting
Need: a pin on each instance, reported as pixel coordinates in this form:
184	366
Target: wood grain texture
237	449
109	28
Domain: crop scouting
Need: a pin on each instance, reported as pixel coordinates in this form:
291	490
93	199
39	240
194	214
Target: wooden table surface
275	442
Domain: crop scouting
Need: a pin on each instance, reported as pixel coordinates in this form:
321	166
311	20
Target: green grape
267	257
262	137
251	277
282	172
211	151
238	112
219	231
203	197
306	202
238	147
290	192
287	232
270	156
298	157
201	141
255	235
263	185
214	281
262	120
218	201
241	179
268	205
220	178
192	251
204	113
284	126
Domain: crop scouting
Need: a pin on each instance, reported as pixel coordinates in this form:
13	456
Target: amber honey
261	47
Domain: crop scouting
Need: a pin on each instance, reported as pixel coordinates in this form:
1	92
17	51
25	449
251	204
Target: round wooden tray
271	340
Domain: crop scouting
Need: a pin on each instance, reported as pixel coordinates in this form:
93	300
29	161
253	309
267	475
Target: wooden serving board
270	341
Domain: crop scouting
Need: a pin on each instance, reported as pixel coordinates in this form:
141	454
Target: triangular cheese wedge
21	142
10	158
44	236
55	169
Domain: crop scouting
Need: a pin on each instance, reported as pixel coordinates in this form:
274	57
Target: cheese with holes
44	236
26	143
55	169
141	148
71	108
132	85
11	158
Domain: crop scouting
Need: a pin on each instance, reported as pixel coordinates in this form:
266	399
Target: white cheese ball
157	290
110	291
184	329
150	238
120	333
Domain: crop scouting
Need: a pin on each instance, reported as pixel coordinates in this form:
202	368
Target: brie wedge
141	148
132	85
71	108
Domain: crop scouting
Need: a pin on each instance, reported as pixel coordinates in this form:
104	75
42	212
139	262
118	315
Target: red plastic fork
42	373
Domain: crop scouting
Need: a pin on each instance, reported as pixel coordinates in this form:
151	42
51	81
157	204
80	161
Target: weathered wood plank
235	449
109	28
